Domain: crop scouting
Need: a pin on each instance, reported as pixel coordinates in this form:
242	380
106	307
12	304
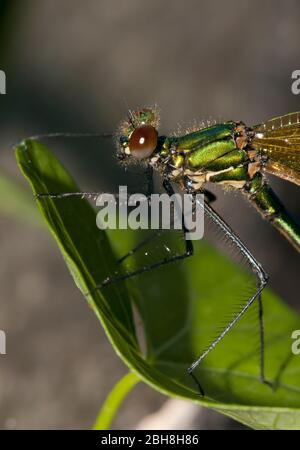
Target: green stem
114	400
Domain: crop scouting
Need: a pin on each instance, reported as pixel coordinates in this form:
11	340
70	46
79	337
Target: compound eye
143	141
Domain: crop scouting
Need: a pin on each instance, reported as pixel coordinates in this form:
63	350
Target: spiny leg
149	177
90	195
64	134
262	343
61	195
188	252
111	280
262	277
210	198
139	246
81	194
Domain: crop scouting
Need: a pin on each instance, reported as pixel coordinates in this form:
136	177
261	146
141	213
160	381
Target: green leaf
180	306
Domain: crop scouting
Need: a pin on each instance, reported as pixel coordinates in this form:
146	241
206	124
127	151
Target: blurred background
74	66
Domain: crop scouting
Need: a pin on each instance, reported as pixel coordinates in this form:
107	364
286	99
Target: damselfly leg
262	279
258	271
209	197
171	259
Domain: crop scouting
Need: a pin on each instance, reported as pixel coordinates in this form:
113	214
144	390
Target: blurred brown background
69	66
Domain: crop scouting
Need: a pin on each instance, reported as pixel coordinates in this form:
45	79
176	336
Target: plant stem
114	400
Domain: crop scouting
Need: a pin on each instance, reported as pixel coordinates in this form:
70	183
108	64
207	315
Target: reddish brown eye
143	141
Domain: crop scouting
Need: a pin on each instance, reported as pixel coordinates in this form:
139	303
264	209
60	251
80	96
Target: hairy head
137	135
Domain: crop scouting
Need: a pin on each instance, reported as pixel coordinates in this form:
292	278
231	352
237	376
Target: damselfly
229	154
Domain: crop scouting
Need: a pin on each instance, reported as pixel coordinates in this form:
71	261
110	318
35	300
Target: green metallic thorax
211	153
223	154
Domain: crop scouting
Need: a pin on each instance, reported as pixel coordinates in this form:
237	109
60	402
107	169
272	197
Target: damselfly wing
278	142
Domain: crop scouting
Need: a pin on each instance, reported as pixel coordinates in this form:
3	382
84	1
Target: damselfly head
137	135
